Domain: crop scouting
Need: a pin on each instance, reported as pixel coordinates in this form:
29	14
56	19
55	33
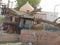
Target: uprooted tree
39	21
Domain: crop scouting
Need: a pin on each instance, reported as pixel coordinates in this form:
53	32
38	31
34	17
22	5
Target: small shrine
26	8
21	20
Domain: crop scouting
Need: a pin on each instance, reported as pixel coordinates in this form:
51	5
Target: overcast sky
49	5
46	5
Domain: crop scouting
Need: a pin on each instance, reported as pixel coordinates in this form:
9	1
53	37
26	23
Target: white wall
41	15
51	16
47	15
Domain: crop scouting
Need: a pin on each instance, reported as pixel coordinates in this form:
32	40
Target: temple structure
24	18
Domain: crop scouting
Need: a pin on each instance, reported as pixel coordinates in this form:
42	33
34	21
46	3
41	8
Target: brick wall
40	37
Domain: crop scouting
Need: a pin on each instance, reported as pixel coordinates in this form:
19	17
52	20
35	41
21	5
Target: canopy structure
26	7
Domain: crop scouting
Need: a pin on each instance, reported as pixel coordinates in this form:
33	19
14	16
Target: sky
49	5
46	5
